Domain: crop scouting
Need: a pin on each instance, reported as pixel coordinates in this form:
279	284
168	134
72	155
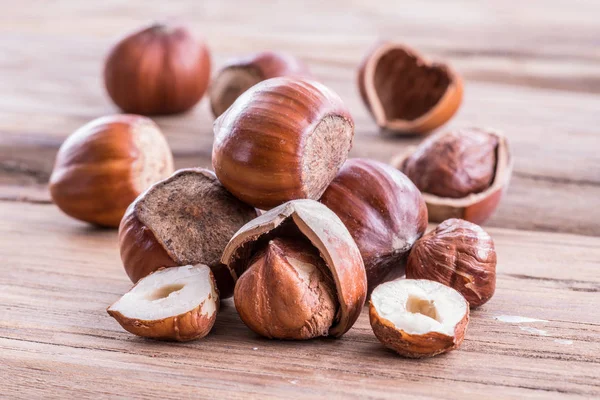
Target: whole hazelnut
299	273
159	69
384	212
405	92
187	218
241	74
283	139
461	173
104	165
458	254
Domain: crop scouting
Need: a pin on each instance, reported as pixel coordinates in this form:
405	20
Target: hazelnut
104	165
283	139
187	218
461	173
284	290
384	212
241	74
171	304
160	69
405	92
458	254
418	318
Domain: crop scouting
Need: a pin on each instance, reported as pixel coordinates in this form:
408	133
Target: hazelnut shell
476	207
331	238
405	92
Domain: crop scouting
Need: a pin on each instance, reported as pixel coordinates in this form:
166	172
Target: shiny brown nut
159	69
171	304
283	139
418	318
187	218
405	92
241	74
458	254
104	165
278	250
461	173
384	212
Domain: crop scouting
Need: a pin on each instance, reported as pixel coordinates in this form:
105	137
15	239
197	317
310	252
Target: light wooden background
532	69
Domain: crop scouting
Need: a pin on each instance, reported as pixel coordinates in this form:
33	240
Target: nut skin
301	220
475	207
143	251
384	212
381	70
104	165
159	69
239	74
286	292
283	139
456	164
458	254
416	346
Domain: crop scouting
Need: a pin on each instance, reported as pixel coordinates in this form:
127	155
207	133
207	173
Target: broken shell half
179	303
418	318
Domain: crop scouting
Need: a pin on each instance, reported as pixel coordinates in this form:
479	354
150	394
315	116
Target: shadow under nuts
187	218
458	254
299	273
384	212
160	69
104	165
283	139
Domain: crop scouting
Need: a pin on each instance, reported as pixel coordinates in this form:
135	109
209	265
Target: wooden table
532	69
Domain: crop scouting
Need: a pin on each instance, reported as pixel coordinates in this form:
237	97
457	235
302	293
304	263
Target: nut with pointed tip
458	254
296	295
283	139
170	304
461	173
187	218
159	69
384	212
405	92
104	165
418	318
241	74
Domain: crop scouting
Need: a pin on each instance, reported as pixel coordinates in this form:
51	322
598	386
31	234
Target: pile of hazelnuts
299	234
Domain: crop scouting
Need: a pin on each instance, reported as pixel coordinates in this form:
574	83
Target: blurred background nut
104	165
160	69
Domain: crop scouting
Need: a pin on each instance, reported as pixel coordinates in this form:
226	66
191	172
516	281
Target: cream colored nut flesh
417	317
178	303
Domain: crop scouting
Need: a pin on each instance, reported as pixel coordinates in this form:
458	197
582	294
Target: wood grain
532	70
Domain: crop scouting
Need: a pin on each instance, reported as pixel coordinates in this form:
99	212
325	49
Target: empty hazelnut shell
458	254
384	212
240	74
455	163
312	221
187	218
405	92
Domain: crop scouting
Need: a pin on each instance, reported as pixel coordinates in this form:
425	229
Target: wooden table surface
532	70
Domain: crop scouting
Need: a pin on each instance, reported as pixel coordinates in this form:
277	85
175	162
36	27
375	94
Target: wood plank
53	323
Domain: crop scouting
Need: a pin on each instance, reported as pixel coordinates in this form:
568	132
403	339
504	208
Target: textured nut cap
384	212
458	254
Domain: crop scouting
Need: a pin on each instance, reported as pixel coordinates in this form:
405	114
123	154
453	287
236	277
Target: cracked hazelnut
104	165
241	74
405	92
299	273
187	218
283	139
458	254
461	173
160	69
384	212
